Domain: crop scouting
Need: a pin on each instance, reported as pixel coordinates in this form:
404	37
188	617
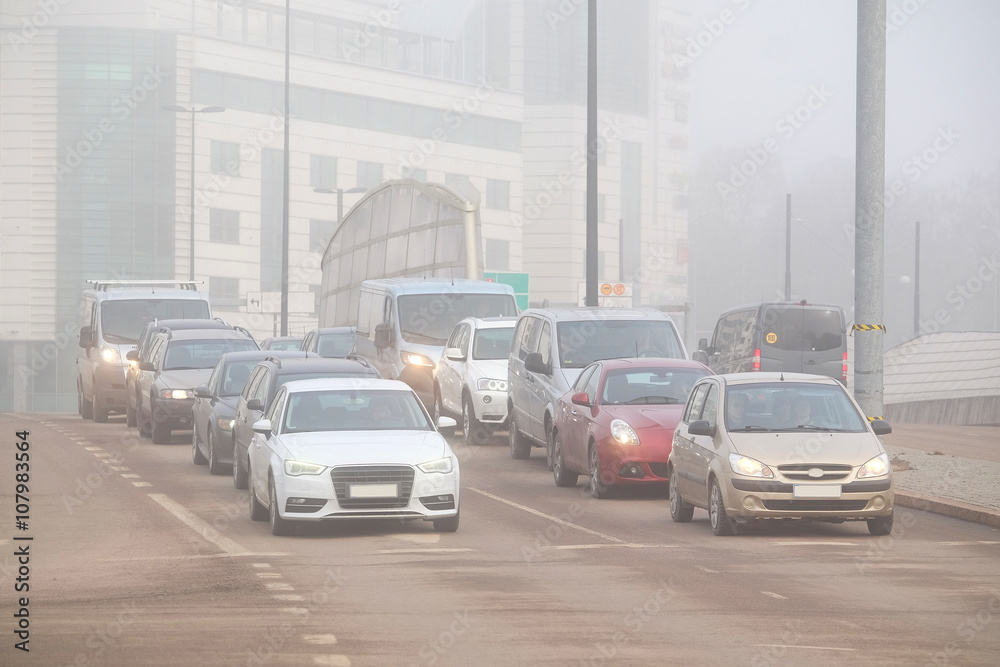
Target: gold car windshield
791	406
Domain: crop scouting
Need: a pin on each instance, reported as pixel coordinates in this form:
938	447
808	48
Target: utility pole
916	284
788	247
285	226
591	273
869	207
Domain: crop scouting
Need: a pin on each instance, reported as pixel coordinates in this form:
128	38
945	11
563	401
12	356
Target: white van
112	316
552	346
404	323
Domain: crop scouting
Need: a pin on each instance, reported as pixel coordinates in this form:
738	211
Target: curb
953	508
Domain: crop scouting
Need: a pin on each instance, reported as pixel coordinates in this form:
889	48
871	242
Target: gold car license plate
374	490
816	490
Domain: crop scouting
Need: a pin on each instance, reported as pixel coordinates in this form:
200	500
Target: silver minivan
552	346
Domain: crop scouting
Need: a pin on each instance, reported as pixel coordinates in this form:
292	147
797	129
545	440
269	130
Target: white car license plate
816	490
374	490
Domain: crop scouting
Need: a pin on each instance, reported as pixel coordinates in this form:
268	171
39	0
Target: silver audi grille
344	476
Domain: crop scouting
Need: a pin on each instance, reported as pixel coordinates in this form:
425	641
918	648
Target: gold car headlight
744	465
875	467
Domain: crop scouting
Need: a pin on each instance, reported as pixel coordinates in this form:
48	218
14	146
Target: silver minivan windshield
585	341
430	318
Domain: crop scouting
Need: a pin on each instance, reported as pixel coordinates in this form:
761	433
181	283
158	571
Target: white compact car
351	448
470	380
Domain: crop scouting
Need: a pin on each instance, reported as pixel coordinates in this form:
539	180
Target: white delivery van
404	323
113	314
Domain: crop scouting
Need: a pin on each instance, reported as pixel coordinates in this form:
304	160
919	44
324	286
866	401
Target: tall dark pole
591	298
869	207
191	249
284	207
916	284
788	247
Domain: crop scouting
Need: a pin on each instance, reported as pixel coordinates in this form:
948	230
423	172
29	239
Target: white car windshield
354	410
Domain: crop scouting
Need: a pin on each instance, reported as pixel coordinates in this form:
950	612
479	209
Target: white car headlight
487	384
875	467
744	465
179	394
109	355
297	468
437	465
623	433
415	359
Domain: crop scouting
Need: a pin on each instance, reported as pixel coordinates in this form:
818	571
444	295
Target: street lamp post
192	111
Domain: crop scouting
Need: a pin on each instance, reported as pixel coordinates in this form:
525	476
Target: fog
785	71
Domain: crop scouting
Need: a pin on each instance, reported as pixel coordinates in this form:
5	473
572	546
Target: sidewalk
950	470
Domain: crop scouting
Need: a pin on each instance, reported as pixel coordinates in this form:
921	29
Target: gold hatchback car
778	446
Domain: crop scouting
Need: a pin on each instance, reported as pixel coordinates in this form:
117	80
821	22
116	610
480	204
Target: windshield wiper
651	400
750	427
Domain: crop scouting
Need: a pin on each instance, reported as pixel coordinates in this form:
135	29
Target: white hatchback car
470	380
351	448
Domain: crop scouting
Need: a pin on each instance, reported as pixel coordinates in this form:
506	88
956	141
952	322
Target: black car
263	384
215	407
141	353
178	362
330	341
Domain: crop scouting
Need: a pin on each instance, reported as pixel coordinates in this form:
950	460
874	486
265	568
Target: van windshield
430	318
586	341
123	321
803	329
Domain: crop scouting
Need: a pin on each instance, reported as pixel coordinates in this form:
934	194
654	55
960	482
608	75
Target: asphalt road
139	557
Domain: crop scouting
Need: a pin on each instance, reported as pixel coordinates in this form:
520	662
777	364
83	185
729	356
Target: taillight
843	375
756	360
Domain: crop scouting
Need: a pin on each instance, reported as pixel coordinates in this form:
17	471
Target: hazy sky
768	56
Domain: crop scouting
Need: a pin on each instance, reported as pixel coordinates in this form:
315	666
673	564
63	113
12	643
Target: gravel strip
950	477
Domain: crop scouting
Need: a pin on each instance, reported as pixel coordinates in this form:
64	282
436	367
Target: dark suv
330	341
141	353
178	362
263	384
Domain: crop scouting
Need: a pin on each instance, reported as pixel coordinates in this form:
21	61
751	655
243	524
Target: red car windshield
639	386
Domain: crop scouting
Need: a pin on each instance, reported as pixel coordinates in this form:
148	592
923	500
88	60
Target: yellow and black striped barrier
867	327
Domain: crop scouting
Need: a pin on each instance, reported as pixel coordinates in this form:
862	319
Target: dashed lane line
530	510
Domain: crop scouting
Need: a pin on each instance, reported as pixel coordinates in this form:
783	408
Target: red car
616	423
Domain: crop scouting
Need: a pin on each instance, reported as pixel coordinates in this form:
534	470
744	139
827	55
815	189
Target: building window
369	174
497	194
224	292
320	233
225	158
323	171
497	255
224	226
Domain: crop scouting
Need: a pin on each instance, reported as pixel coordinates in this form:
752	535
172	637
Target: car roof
458	286
334	330
279	339
332	384
178	324
584	313
653	362
490	322
299	364
775	378
209	334
259	355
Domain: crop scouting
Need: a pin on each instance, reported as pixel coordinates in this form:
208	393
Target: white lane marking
774	595
131	475
432	538
623	545
260	565
301	611
269	575
93	449
442	550
278	587
141	484
196	524
289	598
120	468
331	660
193	556
102	455
546	516
967	544
815	648
705	569
319	639
815	544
